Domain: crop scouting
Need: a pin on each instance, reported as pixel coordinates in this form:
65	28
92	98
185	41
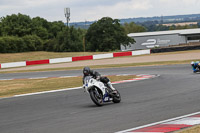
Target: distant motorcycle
99	93
195	67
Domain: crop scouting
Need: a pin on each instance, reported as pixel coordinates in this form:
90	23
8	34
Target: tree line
20	33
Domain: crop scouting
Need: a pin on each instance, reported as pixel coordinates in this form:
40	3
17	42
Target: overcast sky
90	10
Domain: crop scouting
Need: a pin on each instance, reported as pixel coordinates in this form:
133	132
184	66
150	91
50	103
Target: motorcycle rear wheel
117	98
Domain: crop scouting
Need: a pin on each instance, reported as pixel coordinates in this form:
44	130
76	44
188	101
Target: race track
174	93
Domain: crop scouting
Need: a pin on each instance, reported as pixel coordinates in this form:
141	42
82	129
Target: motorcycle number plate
106	99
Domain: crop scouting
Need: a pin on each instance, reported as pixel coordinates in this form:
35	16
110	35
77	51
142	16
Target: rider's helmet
192	63
86	71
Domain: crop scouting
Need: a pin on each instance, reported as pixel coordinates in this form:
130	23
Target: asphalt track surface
174	93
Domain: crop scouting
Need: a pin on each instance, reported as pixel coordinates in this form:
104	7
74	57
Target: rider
195	65
88	72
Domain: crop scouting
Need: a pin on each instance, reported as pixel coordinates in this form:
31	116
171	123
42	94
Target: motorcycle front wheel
96	97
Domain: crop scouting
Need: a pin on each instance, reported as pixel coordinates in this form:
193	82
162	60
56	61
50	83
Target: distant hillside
163	19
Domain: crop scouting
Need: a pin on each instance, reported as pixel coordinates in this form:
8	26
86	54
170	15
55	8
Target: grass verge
195	129
24	86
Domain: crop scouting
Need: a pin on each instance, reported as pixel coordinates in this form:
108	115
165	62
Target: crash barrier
173	49
12	64
72	59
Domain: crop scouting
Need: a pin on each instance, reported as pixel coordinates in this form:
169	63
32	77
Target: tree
106	35
19	33
39	27
133	28
55	28
11	44
161	27
67	40
32	43
41	32
16	25
0	29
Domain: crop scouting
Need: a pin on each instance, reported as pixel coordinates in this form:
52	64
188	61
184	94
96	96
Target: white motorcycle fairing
91	83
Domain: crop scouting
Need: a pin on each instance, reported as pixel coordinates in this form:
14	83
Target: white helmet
192	63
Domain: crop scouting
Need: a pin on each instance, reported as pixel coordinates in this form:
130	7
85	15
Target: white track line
41	77
38	78
6	79
36	93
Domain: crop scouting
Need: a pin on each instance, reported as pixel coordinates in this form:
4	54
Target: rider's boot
113	90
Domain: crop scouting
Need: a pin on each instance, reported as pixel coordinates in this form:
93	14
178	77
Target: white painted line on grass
38	78
6	79
43	92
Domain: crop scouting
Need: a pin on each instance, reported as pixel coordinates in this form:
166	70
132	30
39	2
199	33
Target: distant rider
195	66
88	72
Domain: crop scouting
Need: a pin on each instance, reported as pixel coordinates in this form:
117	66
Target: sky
92	10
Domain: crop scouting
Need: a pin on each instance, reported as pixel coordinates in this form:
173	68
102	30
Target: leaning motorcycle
99	93
196	69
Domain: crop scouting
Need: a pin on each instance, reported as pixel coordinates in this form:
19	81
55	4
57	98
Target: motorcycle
196	68
99	92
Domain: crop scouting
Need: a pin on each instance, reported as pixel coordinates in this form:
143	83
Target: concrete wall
146	42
